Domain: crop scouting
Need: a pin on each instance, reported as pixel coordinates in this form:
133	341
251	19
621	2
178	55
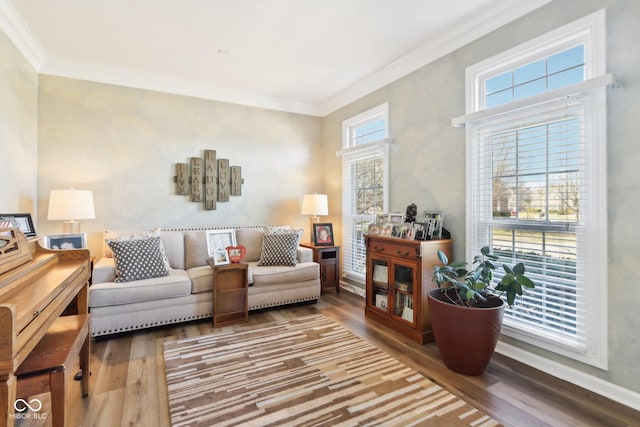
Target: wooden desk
32	297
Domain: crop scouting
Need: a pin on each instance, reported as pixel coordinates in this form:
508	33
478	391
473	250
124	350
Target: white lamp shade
315	204
71	204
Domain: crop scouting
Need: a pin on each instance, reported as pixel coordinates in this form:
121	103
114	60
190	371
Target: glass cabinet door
380	284
403	287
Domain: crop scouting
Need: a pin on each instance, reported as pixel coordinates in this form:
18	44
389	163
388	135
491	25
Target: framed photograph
22	221
386	229
408	231
396	230
65	241
434	219
382	218
420	230
396	218
219	240
323	234
220	257
375	229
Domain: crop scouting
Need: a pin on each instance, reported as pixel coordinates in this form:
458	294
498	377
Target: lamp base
71	227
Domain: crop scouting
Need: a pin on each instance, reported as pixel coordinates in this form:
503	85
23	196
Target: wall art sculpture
208	180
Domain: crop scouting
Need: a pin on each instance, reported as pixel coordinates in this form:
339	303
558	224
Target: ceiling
304	56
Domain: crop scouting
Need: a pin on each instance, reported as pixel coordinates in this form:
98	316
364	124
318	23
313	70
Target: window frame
589	31
379	147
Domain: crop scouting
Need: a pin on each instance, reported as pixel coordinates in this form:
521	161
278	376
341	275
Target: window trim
589	30
349	151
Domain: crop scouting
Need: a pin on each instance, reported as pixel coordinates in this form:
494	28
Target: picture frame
387	229
421	230
382	218
219	240
434	219
396	218
374	229
323	234
65	241
23	222
221	257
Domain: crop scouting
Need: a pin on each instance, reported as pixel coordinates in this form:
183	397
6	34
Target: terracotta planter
466	337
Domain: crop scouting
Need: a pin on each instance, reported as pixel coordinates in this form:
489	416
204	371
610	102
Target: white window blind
531	204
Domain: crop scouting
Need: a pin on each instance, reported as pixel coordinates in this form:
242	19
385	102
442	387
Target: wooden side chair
48	366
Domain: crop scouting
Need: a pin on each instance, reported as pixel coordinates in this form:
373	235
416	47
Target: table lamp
314	205
70	206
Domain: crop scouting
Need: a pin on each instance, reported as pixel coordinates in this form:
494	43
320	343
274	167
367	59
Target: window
364	189
536	192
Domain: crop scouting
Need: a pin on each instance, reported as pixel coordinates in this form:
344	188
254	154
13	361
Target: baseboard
597	385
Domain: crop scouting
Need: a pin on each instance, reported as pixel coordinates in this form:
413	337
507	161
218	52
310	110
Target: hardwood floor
128	386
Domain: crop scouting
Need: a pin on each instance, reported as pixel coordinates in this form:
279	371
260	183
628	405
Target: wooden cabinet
32	297
328	257
398	281
230	293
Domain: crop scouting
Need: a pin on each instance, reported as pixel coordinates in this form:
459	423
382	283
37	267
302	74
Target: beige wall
123	144
18	131
427	159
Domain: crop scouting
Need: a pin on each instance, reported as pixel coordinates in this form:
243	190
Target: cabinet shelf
398	282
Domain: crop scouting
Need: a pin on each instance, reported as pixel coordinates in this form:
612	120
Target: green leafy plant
470	286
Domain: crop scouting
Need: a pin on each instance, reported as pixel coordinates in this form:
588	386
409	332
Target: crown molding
149	81
455	38
476	27
14	27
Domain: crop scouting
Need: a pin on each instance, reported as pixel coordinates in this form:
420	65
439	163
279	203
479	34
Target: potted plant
466	310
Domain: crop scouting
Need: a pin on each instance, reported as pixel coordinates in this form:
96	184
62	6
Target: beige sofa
185	292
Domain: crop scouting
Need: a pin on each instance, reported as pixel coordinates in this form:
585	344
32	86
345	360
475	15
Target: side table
329	259
230	293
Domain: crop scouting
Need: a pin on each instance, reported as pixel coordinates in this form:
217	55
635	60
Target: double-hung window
536	189
364	183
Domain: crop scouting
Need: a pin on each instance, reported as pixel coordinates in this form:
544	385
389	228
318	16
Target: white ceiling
305	56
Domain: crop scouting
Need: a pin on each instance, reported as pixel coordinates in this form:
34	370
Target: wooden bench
48	366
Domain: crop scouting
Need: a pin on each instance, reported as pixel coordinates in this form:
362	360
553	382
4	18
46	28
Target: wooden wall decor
209	180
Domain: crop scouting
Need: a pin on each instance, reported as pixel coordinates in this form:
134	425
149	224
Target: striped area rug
308	371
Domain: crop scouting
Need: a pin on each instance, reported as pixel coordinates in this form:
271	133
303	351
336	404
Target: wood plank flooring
128	386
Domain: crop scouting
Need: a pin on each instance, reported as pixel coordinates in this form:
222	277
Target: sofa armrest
104	270
305	254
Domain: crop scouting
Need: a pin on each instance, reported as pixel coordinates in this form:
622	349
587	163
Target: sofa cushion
195	249
280	247
173	244
201	279
251	239
137	259
270	275
173	285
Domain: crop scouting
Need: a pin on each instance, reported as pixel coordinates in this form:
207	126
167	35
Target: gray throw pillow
280	248
138	259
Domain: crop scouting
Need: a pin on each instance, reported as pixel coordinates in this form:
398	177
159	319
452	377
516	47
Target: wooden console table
32	297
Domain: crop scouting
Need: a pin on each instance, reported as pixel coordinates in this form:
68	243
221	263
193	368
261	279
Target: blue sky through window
558	70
